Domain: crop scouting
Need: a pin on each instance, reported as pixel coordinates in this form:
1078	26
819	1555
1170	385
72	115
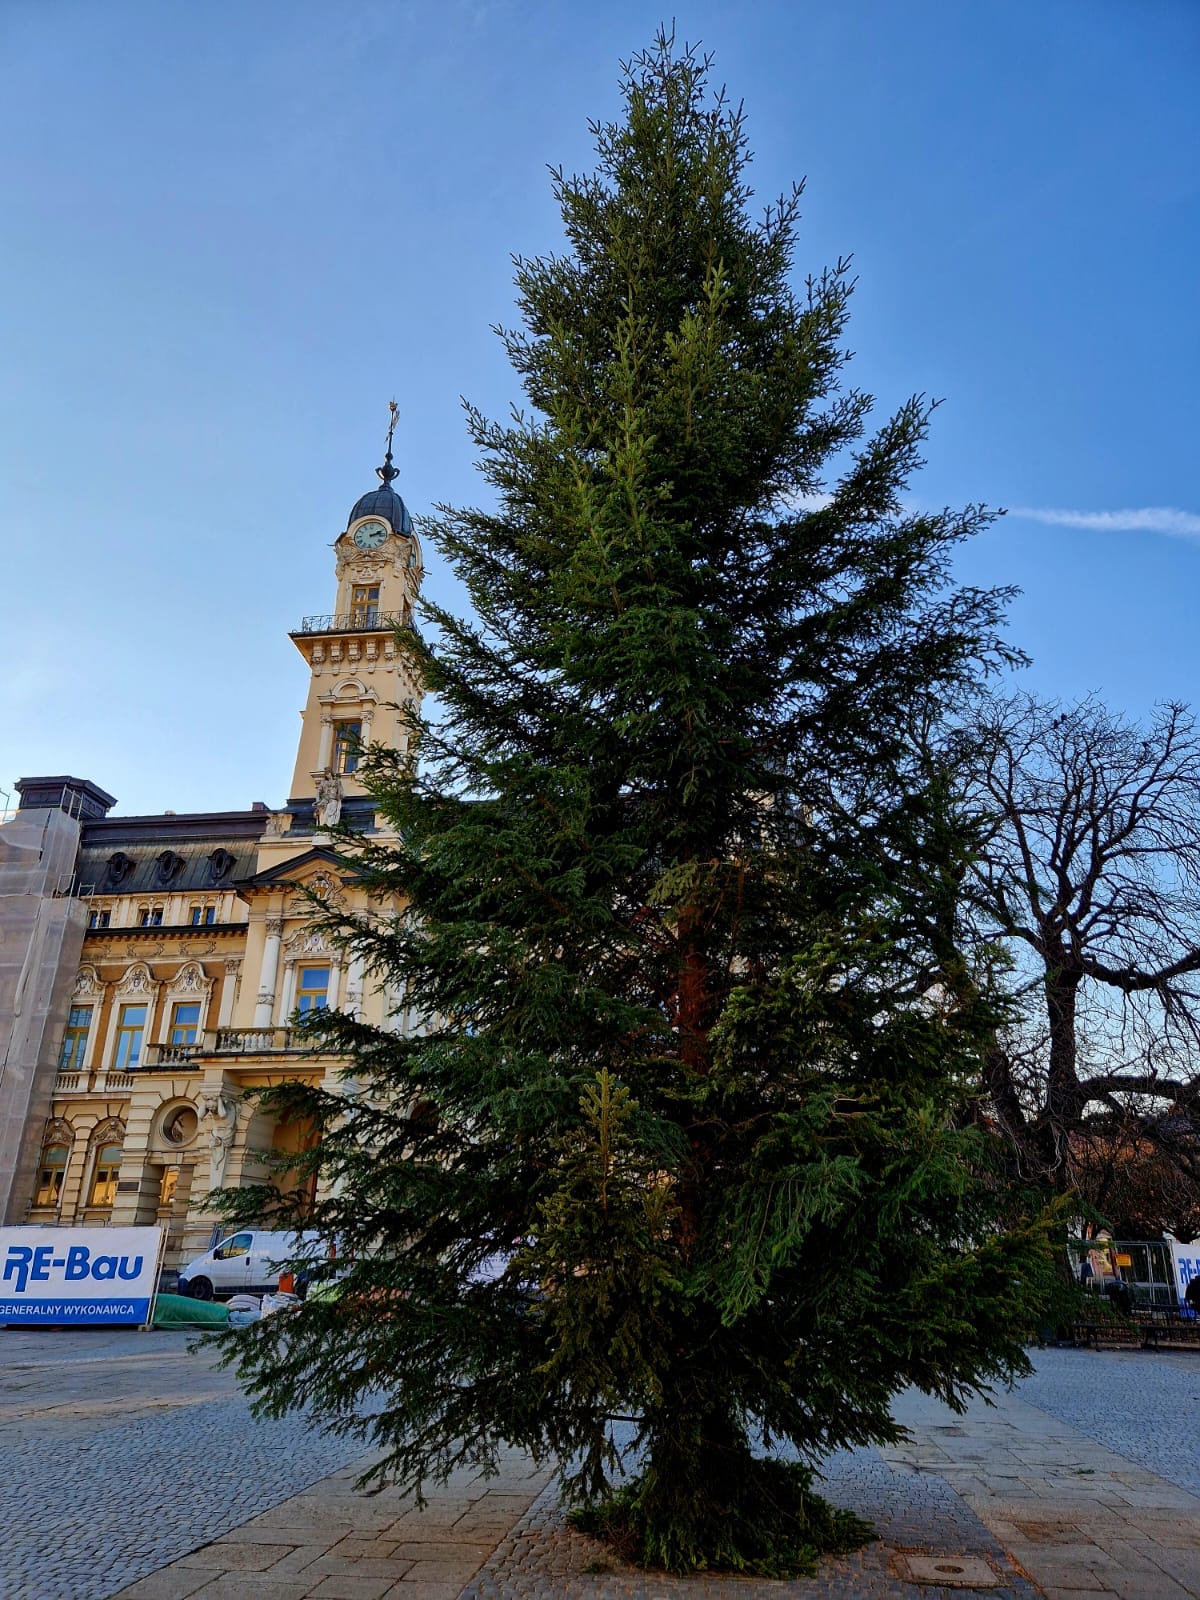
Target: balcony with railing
157	1057
363	619
98	1081
269	1041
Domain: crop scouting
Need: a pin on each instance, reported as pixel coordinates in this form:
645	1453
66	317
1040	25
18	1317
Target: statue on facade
327	807
221	1115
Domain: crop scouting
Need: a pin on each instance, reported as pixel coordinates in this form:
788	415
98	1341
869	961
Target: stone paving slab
143	1475
333	1542
1084	1519
913	1513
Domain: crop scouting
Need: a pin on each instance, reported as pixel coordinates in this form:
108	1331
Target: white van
245	1263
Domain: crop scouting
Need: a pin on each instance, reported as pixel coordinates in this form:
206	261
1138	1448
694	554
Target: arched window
51	1171
106	1166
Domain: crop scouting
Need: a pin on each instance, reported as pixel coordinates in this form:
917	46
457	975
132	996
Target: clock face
370	535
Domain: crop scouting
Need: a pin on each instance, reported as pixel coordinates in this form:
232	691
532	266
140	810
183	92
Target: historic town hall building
149	966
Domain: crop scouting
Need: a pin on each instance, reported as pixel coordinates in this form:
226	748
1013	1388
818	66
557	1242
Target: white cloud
1146	519
806	502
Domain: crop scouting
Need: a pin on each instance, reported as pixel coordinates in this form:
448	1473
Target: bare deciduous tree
1089	873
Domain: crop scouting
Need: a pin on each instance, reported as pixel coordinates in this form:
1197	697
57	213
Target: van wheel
200	1288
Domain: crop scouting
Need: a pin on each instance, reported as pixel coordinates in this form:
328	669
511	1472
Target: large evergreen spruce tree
677	897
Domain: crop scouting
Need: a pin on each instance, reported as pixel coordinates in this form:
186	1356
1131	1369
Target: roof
386	503
154	868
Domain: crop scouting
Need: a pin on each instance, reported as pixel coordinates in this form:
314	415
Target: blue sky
232	232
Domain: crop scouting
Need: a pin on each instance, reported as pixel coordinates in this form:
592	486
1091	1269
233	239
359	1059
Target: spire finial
387	471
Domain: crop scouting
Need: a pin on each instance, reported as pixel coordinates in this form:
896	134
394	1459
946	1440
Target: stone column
287	994
354	986
270	967
325	748
228	990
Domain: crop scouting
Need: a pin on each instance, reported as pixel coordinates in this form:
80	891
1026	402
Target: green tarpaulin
181	1311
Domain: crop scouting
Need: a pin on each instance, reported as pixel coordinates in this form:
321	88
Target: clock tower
359	672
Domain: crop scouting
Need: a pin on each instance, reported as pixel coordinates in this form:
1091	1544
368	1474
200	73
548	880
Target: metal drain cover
951	1572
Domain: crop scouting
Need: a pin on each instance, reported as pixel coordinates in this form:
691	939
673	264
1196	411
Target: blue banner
29	1312
55	1276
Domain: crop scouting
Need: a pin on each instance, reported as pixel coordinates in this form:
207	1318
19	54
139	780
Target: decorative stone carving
179	1124
278	823
190	979
137	980
363	564
274	927
307	942
87	981
110	1131
220	1116
327	807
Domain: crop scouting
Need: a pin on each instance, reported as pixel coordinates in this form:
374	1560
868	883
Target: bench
1110	1335
1172	1330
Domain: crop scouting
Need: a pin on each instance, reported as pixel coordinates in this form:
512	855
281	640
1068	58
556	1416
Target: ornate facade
151	967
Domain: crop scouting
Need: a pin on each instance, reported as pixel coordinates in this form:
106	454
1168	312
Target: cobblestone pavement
1144	1405
141	1474
131	1452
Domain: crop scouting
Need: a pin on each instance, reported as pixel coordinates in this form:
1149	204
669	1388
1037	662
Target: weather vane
387	471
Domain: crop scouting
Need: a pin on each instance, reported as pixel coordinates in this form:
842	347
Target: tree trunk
1062	1086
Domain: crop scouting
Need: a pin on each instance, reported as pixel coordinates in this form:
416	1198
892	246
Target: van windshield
237	1246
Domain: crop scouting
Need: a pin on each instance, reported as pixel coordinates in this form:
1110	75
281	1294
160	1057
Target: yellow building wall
243	971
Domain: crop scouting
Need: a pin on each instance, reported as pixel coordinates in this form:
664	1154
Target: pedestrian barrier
1151	1329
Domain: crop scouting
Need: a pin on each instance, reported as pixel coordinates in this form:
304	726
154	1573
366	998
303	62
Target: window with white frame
131	1025
79	1022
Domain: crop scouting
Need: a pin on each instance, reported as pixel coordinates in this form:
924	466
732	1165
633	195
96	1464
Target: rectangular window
345	746
70	1057
98	919
364	605
185	1019
130	1027
104	1175
203	916
151	917
312	989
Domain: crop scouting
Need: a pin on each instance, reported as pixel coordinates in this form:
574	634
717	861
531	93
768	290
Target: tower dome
382	502
385	502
